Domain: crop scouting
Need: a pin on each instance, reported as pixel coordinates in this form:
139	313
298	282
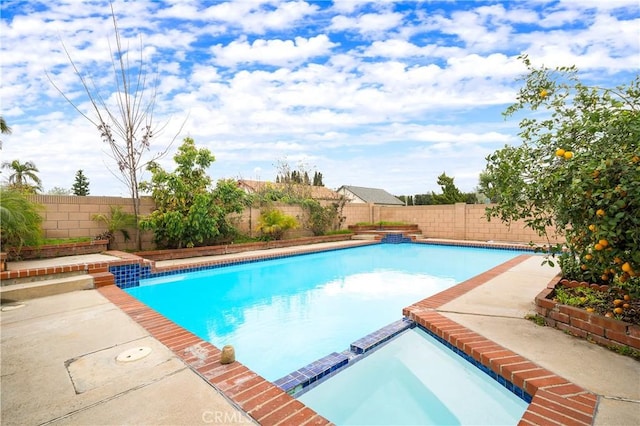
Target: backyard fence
70	216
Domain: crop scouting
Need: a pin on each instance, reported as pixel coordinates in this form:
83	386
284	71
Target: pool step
46	287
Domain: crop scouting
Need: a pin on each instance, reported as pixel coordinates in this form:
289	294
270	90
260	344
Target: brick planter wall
237	248
57	250
364	228
591	326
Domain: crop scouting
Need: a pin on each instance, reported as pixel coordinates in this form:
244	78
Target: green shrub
273	223
188	212
20	221
116	221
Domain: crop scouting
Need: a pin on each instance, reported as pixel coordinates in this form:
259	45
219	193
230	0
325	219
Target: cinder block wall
69	216
453	221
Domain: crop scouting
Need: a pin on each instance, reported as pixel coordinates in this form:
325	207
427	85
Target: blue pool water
414	380
283	314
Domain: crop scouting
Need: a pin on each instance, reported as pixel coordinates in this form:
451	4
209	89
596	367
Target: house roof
373	195
316	192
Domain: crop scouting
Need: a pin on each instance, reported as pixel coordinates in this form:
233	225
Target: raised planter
237	248
374	227
58	250
591	326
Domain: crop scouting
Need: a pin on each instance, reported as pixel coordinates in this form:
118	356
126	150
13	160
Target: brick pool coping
554	399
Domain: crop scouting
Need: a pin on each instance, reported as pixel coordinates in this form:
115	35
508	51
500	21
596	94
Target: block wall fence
70	216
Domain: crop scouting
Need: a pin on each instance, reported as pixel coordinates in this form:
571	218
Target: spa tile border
554	400
303	379
266	403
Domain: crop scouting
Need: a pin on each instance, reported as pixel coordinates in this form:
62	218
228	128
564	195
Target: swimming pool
283	314
414	380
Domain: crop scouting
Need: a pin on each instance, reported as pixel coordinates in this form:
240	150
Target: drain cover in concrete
133	354
113	368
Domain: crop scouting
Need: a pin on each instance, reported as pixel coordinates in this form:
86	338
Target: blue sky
381	94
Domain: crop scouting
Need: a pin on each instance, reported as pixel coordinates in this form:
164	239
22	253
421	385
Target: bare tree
128	125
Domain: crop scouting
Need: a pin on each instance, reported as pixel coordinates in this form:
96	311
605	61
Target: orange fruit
584	267
600	212
590	309
544	93
598	247
592	227
560	152
626	306
568	155
608	314
617	260
635	159
627	297
604	277
617	302
626	267
588	257
618	311
603	243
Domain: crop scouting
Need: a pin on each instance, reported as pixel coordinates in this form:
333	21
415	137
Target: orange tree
576	172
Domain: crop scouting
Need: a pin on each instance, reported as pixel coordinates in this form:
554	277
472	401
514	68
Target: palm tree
4	129
22	174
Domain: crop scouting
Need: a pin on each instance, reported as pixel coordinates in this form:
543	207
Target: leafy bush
20	221
577	172
188	213
321	218
116	221
273	223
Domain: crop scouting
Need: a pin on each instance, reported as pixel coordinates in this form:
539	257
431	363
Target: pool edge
555	399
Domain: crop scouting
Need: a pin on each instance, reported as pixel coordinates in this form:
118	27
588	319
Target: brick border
262	400
555	399
184	253
604	331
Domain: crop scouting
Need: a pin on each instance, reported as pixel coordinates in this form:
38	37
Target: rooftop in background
315	192
359	194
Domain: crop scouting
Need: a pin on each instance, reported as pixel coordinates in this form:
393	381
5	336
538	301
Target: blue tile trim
381	336
306	378
519	392
130	275
294	382
302	380
514	247
395	239
127	276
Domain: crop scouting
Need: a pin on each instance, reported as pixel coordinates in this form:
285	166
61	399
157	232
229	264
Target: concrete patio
59	359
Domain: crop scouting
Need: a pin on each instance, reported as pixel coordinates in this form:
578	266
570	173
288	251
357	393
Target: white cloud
368	23
254	17
360	89
272	52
